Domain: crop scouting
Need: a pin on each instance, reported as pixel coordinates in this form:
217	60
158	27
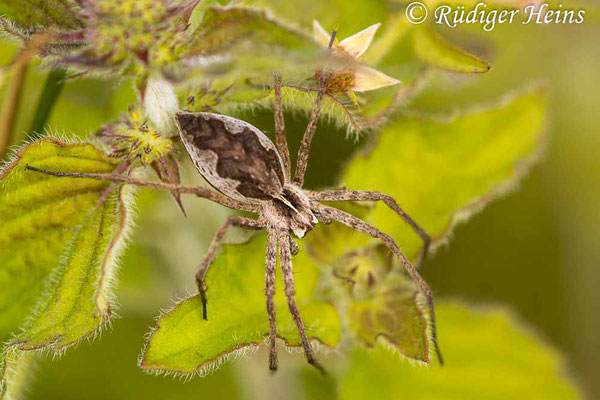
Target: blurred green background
534	250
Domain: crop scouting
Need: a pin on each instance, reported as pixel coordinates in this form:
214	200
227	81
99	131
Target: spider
253	174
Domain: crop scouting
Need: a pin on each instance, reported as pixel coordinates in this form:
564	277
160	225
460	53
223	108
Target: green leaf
42	12
342	112
239	45
432	49
247	29
440	171
349	16
394	29
13	369
488	356
184	343
330	244
261	46
378	302
199	11
396	312
339	110
39	214
58	244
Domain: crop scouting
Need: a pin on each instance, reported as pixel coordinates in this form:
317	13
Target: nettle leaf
184	343
481	348
440	171
329	244
13	373
239	50
395	311
245	41
262	46
59	246
47	13
434	50
198	14
351	16
340	111
378	301
224	27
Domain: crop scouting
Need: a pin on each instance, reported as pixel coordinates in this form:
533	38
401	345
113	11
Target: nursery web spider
252	174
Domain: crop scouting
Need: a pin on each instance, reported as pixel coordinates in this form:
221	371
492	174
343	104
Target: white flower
360	78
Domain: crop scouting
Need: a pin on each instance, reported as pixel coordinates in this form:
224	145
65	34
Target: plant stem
10	106
52	90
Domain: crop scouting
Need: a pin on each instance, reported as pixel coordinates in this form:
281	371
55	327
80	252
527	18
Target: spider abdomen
232	155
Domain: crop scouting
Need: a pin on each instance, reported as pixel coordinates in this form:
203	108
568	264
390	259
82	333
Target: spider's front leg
280	137
285	258
170	187
233	220
309	132
360	225
372	195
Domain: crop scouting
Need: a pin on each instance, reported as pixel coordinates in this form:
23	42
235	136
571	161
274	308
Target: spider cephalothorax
252	174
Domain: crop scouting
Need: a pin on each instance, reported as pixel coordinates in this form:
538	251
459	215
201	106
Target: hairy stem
10	106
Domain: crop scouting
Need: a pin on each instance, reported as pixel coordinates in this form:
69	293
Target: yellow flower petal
358	43
367	78
320	34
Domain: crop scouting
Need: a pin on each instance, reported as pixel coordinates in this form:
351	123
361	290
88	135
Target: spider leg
174	188
233	220
280	137
285	258
371	195
295	249
358	224
270	266
304	150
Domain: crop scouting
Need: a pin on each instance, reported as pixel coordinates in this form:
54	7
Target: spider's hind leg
233	220
372	195
270	266
294	248
361	226
290	291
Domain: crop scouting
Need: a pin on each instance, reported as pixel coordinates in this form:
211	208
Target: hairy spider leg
199	191
371	195
232	220
359	225
280	136
270	266
285	259
304	150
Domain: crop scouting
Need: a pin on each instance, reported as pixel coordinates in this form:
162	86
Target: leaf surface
378	301
440	170
237	318
42	12
488	356
434	50
59	246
